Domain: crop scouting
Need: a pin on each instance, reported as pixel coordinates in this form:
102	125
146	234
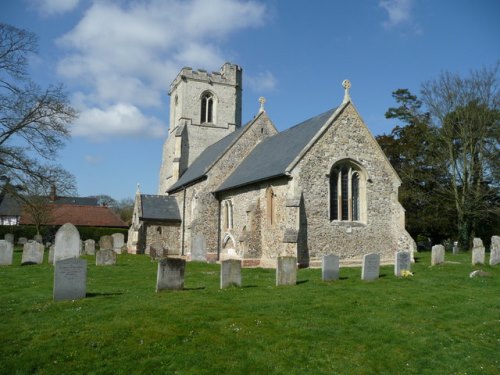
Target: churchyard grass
438	321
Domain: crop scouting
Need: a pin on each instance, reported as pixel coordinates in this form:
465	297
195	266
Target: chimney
53	195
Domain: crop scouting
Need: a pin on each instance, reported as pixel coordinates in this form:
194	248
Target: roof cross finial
346	84
262	100
138	191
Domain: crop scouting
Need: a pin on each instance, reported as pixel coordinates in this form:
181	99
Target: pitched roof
80	201
94	216
209	156
272	156
159	208
10	206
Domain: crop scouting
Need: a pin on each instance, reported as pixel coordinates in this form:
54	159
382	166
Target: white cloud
93	159
123	55
54	7
262	82
399	11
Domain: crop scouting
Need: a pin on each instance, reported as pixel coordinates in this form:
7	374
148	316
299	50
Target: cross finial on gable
138	191
346	84
262	100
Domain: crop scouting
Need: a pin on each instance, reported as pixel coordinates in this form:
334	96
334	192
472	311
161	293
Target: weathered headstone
90	247
230	273
330	267
67	243
105	242
32	253
106	257
52	250
286	271
38	238
478	251
156	251
455	248
199	248
6	253
9	237
402	262
118	242
70	279
170	274
22	241
437	254
495	251
371	267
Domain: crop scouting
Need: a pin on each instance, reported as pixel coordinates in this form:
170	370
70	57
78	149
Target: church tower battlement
204	108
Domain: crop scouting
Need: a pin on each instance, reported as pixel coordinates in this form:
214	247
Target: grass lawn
439	321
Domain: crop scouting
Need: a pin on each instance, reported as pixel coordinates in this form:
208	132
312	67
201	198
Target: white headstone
286	271
70	279
402	262
437	254
32	253
495	251
230	273
52	249
330	267
170	274
90	247
478	251
67	243
6	253
118	242
9	237
199	248
371	267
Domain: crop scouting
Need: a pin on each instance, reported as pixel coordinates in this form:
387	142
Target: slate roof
80	201
159	208
204	162
272	156
10	206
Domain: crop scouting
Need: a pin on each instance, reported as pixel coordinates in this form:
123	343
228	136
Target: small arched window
228	215
270	205
207	108
347	192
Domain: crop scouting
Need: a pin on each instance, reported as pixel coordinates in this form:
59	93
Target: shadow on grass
92	295
301	282
197	288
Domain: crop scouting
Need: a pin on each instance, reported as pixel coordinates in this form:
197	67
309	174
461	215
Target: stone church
250	192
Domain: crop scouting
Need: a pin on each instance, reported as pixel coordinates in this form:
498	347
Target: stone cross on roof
262	100
346	84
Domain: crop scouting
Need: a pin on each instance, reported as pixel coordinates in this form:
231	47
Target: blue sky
116	60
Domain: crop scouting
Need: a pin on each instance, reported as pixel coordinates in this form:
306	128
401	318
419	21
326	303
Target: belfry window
346	192
207	108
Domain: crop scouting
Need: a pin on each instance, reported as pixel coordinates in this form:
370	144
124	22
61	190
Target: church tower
204	108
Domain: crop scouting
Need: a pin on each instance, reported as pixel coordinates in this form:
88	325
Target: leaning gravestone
478	251
6	253
70	279
330	267
105	257
90	247
495	251
230	273
118	242
286	271
32	253
9	237
371	267
170	274
67	243
105	242
52	249
199	248
437	254
402	262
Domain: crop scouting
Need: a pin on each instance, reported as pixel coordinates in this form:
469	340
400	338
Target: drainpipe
183	221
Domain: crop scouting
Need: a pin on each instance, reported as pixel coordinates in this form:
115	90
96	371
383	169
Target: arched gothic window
270	205
228	214
347	192
207	108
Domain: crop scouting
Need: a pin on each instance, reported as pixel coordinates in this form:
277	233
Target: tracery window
207	108
346	192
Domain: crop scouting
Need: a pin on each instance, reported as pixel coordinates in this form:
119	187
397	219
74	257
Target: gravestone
106	257
52	249
118	242
286	271
32	253
478	251
199	248
330	267
67	243
22	240
90	247
230	273
156	251
455	248
495	251
6	253
170	274
402	262
371	267
9	237
437	254
82	248
38	238
70	279
105	243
